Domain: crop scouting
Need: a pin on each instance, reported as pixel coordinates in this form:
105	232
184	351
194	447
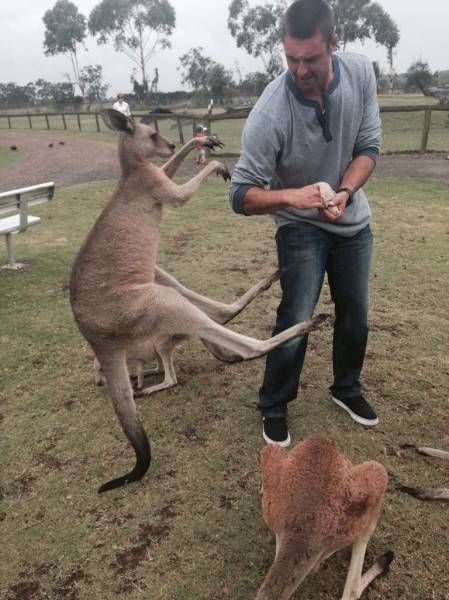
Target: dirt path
81	161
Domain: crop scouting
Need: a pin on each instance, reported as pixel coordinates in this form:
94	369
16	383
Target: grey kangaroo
116	300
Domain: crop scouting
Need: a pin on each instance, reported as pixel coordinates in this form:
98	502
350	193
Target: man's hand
308	196
333	205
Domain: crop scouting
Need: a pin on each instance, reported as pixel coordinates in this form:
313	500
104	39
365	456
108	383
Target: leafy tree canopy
419	76
219	80
136	27
92	77
194	67
258	30
65	28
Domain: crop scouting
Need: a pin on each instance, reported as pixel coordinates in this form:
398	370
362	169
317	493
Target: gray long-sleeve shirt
289	142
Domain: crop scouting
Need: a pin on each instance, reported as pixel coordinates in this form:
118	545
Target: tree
254	83
65	30
419	76
219	79
350	18
17	96
92	77
377	71
258	30
138	28
385	32
194	68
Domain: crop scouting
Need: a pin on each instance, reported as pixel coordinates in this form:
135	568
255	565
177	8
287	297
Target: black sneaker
275	431
358	409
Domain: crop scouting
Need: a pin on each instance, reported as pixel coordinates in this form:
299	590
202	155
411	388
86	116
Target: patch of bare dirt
25	590
83	161
76	161
130	558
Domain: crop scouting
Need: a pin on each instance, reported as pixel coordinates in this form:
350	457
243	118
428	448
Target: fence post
48	122
426	129
209	127
97	121
194	126
78	118
9	122
181	133
29	121
156	125
63	121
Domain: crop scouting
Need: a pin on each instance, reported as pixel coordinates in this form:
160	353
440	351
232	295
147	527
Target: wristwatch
349	192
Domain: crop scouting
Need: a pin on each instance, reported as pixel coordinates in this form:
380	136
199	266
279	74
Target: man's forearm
358	172
259	201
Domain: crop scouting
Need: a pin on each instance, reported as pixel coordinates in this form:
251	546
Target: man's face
309	62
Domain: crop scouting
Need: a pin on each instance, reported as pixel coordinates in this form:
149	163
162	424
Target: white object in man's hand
327	195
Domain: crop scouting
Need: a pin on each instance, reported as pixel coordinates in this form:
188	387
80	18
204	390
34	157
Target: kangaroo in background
316	502
116	300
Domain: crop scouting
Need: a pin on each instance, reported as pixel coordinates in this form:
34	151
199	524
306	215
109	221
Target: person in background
121	105
318	121
201	158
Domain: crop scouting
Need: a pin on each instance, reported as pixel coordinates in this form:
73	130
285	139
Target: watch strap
350	193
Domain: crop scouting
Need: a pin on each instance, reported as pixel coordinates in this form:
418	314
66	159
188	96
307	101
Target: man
121	105
319	121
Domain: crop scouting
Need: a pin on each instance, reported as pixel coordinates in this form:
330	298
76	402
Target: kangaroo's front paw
223	171
212	142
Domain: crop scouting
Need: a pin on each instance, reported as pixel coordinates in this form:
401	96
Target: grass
192	528
8	157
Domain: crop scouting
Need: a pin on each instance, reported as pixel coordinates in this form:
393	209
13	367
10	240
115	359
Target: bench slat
17	202
12	224
36	194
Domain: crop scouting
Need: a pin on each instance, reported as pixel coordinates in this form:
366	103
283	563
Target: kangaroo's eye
154	136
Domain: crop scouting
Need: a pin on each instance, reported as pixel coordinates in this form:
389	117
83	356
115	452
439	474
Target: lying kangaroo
221	313
116	300
317	502
441	494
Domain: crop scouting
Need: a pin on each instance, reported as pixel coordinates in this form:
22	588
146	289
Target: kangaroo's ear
117	121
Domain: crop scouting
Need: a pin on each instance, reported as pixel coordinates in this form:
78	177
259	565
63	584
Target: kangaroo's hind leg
171	315
165	353
218	311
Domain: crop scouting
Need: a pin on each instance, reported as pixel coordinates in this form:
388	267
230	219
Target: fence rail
91	121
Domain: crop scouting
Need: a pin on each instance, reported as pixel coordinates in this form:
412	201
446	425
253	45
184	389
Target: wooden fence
59	121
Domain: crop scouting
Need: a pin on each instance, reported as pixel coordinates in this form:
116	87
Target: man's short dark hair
304	18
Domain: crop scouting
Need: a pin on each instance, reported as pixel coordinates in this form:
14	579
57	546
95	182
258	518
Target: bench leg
11	260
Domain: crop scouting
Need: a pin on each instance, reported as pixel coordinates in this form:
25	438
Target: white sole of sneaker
285	444
354	417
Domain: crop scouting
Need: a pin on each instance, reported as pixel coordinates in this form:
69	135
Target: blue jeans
305	254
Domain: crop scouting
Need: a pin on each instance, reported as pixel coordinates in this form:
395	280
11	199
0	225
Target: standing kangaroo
317	502
116	300
221	313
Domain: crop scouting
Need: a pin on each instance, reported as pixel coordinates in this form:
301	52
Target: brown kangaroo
116	300
316	502
221	313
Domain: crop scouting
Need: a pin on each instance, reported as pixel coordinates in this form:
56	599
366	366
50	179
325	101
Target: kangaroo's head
138	141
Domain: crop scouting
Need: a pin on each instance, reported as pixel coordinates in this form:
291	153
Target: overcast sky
424	29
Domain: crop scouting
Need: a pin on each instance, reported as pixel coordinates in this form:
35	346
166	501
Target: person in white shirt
121	105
